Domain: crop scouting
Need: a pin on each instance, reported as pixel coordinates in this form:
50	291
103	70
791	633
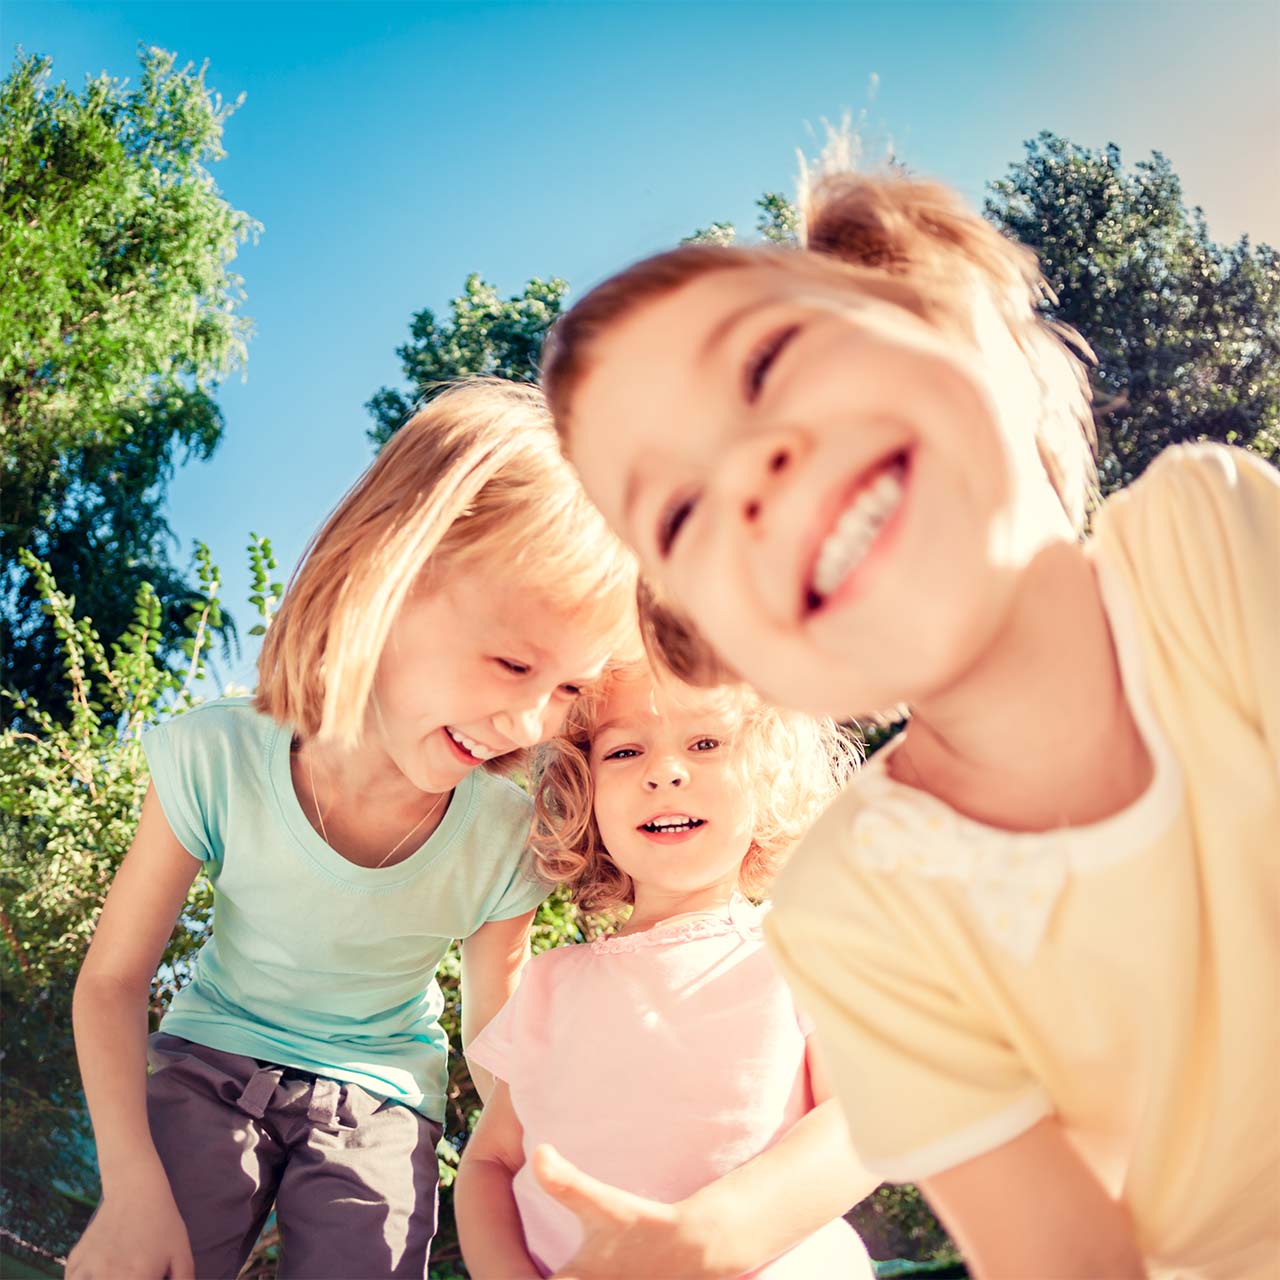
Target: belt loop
256	1095
323	1107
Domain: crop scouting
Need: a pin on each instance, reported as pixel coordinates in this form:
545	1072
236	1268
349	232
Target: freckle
751	510
778	461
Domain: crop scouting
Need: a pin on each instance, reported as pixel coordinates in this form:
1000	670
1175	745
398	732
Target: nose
665	772
753	471
524	725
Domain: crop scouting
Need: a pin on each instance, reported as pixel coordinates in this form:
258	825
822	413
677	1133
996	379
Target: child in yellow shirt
1040	935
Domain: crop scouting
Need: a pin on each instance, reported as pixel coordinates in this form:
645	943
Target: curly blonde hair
793	765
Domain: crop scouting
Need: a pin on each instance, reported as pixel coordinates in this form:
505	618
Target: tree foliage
1186	331
484	334
118	317
71	786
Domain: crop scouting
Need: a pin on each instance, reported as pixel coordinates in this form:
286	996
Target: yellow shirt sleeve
1200	534
926	1077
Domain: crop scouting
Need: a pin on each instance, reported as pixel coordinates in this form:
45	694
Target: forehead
496	606
641	381
644	700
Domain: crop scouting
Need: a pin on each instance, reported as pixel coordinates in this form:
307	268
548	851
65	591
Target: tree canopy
119	315
1186	331
484	334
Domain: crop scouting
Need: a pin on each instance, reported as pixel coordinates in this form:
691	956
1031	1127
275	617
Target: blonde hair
794	764
473	475
904	240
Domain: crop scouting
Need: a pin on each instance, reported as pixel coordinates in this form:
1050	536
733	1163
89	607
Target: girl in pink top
667	1059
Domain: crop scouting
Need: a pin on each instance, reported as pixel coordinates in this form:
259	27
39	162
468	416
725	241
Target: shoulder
549	970
230	720
499	803
1192	497
1197	538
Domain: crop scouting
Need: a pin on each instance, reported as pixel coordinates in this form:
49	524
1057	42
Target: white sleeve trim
956	1148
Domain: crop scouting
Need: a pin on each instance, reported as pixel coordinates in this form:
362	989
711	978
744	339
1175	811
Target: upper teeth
672	824
477	749
845	546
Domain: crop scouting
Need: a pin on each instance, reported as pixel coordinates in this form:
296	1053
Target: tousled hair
793	765
475	474
904	240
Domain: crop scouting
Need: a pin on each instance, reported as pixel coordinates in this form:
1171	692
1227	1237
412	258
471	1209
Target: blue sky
391	149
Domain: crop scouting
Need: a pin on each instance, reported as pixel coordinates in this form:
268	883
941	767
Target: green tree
118	317
484	334
1186	331
70	789
778	222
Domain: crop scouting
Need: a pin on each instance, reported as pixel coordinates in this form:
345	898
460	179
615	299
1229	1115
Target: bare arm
1031	1207
109	1013
488	1221
805	1180
735	1224
492	958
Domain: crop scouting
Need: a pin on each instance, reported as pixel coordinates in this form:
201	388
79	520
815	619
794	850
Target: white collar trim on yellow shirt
1013	879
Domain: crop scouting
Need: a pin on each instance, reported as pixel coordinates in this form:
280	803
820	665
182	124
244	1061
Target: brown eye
761	361
672	520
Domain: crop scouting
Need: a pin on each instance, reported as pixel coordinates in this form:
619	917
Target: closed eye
672	520
515	667
761	360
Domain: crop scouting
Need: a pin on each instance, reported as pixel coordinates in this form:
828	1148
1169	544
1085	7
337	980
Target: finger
579	1192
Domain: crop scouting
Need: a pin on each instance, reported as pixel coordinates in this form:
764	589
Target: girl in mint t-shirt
353	819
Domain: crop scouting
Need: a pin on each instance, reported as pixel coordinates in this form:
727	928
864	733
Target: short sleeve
925	1078
495	1048
1198	536
523	892
183	774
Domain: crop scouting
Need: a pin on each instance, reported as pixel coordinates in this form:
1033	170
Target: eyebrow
728	324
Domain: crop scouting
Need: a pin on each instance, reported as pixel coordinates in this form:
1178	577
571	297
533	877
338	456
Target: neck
653	905
1037	733
366	772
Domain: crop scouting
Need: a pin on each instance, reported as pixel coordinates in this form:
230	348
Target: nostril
779	460
751	510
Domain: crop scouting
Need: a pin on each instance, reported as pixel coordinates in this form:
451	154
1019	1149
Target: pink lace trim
688	929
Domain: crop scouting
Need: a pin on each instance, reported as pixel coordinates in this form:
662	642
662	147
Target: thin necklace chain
315	800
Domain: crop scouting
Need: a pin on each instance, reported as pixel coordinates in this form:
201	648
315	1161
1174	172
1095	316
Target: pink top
657	1062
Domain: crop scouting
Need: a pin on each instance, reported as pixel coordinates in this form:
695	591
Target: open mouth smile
865	515
670	828
468	748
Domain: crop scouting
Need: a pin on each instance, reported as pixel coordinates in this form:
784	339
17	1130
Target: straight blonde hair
474	476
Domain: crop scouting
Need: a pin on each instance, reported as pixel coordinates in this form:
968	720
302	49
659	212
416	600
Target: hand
625	1236
141	1237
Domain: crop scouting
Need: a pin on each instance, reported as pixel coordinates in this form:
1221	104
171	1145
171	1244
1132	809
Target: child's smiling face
839	494
476	667
670	792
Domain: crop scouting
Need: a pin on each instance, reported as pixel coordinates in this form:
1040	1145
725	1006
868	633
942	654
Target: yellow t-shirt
967	981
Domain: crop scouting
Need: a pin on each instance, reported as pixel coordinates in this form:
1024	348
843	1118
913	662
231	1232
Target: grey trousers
353	1176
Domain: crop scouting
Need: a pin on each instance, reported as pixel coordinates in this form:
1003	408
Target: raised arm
137	1231
488	1222
492	958
1031	1207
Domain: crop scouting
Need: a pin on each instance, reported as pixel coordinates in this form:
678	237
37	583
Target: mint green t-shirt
314	962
